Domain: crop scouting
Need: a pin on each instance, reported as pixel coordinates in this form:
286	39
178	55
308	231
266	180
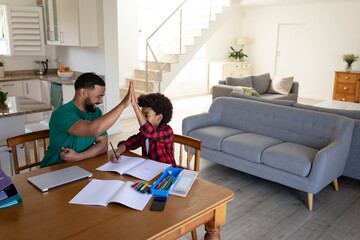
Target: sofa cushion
246	91
281	85
242	81
213	136
266	100
290	157
248	146
261	82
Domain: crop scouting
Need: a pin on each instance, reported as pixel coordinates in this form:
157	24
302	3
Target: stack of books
9	195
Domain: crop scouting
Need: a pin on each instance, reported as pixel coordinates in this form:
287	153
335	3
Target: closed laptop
59	177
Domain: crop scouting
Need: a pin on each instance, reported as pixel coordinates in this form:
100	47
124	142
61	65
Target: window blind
26	31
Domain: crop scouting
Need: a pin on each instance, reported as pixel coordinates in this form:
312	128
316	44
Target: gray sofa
302	149
260	83
352	166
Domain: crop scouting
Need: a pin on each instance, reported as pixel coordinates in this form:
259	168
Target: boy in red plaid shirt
155	136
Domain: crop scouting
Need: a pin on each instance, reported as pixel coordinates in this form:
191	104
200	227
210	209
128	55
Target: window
4	34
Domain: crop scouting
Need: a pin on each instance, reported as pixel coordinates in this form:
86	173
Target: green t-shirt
60	122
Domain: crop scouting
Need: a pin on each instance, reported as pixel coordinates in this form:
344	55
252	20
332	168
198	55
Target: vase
348	68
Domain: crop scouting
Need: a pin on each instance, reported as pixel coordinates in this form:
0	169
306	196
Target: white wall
330	32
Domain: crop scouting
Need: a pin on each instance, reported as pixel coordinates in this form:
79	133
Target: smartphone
158	204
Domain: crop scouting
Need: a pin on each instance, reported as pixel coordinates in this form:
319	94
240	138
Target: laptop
58	177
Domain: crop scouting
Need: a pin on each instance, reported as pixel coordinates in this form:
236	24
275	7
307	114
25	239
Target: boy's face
151	116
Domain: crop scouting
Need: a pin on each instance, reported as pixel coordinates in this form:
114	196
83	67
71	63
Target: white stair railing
170	39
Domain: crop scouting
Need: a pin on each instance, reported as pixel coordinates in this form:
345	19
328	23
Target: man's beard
89	106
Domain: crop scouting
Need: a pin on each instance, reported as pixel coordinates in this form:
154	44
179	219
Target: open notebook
58	177
141	168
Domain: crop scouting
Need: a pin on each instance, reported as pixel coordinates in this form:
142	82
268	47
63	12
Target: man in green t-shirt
78	129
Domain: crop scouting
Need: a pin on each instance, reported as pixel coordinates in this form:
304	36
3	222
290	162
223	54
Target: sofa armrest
328	164
222	82
295	89
197	121
221	91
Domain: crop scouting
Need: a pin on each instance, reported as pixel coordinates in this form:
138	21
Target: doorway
289	50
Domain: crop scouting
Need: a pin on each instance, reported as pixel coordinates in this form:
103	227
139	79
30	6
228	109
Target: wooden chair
188	142
32	144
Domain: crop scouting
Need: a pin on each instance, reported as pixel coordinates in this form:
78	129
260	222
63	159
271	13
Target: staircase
175	42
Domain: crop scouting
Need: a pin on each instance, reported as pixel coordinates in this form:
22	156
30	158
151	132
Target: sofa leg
310	200
336	185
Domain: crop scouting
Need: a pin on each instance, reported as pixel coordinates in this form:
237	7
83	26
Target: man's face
94	98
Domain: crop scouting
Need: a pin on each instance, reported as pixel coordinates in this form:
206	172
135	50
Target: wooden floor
266	210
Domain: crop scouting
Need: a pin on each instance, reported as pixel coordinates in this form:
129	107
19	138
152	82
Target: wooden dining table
49	215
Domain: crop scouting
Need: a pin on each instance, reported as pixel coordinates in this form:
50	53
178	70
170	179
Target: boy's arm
139	115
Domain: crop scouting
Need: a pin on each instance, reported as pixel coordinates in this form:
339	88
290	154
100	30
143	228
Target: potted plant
349	59
237	55
3	96
2	71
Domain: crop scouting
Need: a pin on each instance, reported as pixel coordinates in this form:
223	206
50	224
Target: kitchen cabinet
73	22
52	28
68	92
13	88
32	89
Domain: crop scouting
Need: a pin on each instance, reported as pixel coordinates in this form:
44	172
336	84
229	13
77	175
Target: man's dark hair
88	81
159	103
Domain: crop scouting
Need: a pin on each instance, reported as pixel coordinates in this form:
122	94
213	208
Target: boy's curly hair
159	103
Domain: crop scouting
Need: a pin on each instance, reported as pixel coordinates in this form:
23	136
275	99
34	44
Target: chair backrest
187	143
32	144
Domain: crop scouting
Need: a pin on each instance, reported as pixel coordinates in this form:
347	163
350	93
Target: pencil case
162	186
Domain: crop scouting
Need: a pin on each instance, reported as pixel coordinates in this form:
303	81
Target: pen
114	151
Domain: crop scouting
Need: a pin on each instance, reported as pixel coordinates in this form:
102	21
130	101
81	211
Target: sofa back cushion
312	129
281	85
347	113
260	99
261	82
242	81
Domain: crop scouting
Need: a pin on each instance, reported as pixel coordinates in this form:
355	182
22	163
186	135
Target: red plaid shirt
160	143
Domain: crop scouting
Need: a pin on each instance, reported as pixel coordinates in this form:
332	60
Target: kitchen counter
50	77
16	106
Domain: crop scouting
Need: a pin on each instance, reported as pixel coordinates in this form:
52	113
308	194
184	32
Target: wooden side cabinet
347	86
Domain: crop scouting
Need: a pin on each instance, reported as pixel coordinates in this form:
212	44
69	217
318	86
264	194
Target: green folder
13	201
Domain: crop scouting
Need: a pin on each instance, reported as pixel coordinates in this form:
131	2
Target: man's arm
98	126
100	147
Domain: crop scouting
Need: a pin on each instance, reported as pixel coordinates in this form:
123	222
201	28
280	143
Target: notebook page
130	197
97	192
148	169
125	164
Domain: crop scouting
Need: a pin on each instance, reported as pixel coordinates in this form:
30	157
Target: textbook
141	168
9	195
102	192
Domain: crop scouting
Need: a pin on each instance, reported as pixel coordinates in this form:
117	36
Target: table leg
213	227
